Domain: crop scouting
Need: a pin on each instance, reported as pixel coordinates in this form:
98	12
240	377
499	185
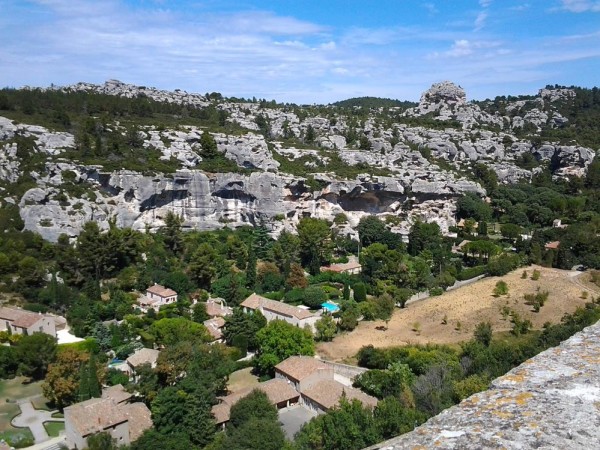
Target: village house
125	422
20	321
552	245
215	328
155	297
215	307
274	310
302	380
142	356
352	267
317	384
280	394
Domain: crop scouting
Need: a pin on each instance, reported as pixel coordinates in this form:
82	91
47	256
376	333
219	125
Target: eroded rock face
550	401
424	166
212	201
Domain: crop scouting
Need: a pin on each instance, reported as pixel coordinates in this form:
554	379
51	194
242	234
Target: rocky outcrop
209	201
550	401
421	163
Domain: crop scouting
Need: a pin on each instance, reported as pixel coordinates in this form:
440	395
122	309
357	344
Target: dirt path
463	309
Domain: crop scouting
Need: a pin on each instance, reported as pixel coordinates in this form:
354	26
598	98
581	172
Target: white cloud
460	48
431	8
485	3
579	6
480	20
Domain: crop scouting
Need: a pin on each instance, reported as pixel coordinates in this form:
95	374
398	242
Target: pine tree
251	269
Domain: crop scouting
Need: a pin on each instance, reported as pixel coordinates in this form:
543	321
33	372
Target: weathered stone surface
550	402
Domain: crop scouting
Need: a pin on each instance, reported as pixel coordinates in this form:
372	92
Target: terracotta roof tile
94	416
328	394
277	391
139	418
300	367
116	393
255	301
161	290
143	356
20	317
215	308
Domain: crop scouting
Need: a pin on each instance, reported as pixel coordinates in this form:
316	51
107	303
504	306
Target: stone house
125	422
352	267
302	380
279	393
155	297
214	327
139	358
20	321
215	307
319	386
274	310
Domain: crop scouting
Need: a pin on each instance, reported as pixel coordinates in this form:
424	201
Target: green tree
61	384
240	329
360	292
171	331
172	233
251	270
393	418
314	297
208	146
153	440
89	384
280	340
325	328
255	434
350	426
35	352
202	265
315	240
101	441
483	333
254	405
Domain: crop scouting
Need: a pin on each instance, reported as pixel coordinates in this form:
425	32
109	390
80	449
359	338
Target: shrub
536	275
524	275
360	292
435	291
501	288
471	272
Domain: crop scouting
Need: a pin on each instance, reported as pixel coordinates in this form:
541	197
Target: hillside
131	154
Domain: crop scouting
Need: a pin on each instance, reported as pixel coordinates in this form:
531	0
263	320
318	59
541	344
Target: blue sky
304	51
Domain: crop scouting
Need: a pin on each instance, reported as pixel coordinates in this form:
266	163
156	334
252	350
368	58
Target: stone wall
550	401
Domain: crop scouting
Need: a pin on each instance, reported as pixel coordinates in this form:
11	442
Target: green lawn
10	391
18	437
18	387
54	428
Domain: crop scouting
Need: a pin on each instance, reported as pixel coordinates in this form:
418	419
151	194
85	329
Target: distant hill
373	102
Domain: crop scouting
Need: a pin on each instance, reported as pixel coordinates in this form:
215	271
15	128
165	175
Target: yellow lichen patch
514	377
522	398
502	414
533	425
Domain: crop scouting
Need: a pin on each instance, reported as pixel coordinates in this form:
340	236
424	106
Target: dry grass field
422	322
241	379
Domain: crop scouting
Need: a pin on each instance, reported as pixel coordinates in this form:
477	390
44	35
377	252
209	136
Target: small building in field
552	245
20	321
274	310
155	297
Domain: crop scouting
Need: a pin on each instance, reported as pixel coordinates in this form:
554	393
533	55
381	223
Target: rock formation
400	172
550	401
